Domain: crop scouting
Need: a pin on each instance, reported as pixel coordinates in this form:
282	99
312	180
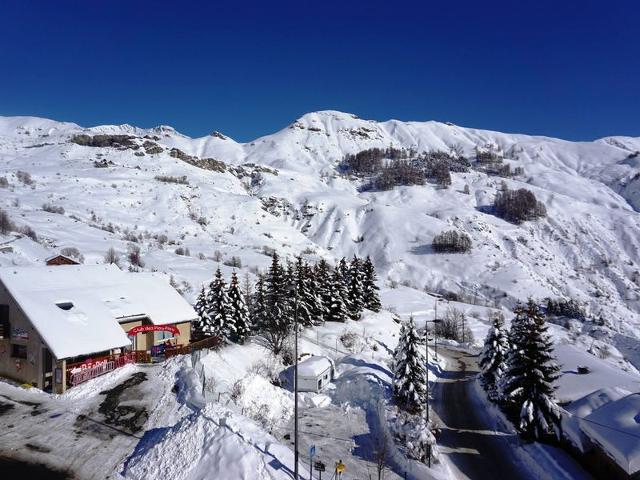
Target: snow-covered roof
616	427
314	366
76	308
583	407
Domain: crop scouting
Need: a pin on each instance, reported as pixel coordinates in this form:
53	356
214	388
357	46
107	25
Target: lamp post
295	382
426	356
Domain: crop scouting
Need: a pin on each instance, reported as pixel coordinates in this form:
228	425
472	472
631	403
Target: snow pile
212	443
267	404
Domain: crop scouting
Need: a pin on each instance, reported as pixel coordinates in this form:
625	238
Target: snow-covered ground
283	192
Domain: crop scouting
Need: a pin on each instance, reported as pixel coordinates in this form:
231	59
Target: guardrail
81	372
211	342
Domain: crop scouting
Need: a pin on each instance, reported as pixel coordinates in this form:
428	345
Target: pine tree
218	307
239	311
409	375
527	386
355	290
337	309
341	274
303	295
493	358
315	300
371	299
203	324
259	307
324	281
278	318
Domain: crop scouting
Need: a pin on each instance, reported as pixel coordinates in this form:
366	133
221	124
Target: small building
60	260
55	321
315	373
614	430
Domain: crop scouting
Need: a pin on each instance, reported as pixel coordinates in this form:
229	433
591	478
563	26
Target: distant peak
217	134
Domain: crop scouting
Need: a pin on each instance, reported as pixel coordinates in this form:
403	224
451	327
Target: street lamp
295	381
293	289
426	356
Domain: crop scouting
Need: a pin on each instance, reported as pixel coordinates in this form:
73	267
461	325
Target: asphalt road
474	446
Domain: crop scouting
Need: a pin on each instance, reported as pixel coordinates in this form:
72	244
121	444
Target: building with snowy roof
604	427
315	373
55	316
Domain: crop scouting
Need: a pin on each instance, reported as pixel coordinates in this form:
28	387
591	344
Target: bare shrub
451	241
112	256
182	180
134	256
6	225
73	252
48	207
24	177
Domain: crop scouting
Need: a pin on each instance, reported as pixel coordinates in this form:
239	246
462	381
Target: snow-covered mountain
285	191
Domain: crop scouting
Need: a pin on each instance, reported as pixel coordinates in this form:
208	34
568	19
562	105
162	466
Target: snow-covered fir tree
202	326
341	275
239	324
355	291
371	299
304	296
322	274
338	311
527	385
493	357
409	374
219	308
315	300
259	307
278	320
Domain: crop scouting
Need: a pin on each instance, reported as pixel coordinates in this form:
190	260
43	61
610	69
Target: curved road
477	447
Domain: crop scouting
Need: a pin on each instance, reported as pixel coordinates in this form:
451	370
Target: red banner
154	328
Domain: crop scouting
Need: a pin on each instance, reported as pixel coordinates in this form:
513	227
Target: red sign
154	328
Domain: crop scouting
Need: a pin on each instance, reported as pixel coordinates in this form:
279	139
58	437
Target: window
18	351
5	331
319	384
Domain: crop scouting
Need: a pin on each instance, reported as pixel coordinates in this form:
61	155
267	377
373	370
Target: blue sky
565	68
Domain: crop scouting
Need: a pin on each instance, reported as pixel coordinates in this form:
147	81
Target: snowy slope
587	247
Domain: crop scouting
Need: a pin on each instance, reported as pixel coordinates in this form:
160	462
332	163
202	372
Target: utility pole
295	382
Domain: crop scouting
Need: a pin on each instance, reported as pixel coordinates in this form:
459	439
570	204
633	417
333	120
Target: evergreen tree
341	274
337	309
493	358
371	299
278	318
527	386
305	297
203	324
315	300
355	291
323	279
259	307
409	374
239	311
219	308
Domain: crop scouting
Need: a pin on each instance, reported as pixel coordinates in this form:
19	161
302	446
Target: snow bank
212	443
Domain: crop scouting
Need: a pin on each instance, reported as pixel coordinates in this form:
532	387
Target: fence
211	342
78	373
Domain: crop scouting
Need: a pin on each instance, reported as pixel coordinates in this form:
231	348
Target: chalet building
603	428
61	260
315	373
56	322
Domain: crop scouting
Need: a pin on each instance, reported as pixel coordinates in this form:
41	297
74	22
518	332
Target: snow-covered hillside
285	192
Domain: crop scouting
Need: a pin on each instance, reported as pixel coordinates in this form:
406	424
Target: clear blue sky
563	68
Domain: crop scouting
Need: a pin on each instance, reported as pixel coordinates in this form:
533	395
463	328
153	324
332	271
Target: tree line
312	294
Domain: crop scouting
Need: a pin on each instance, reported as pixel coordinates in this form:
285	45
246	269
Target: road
476	446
